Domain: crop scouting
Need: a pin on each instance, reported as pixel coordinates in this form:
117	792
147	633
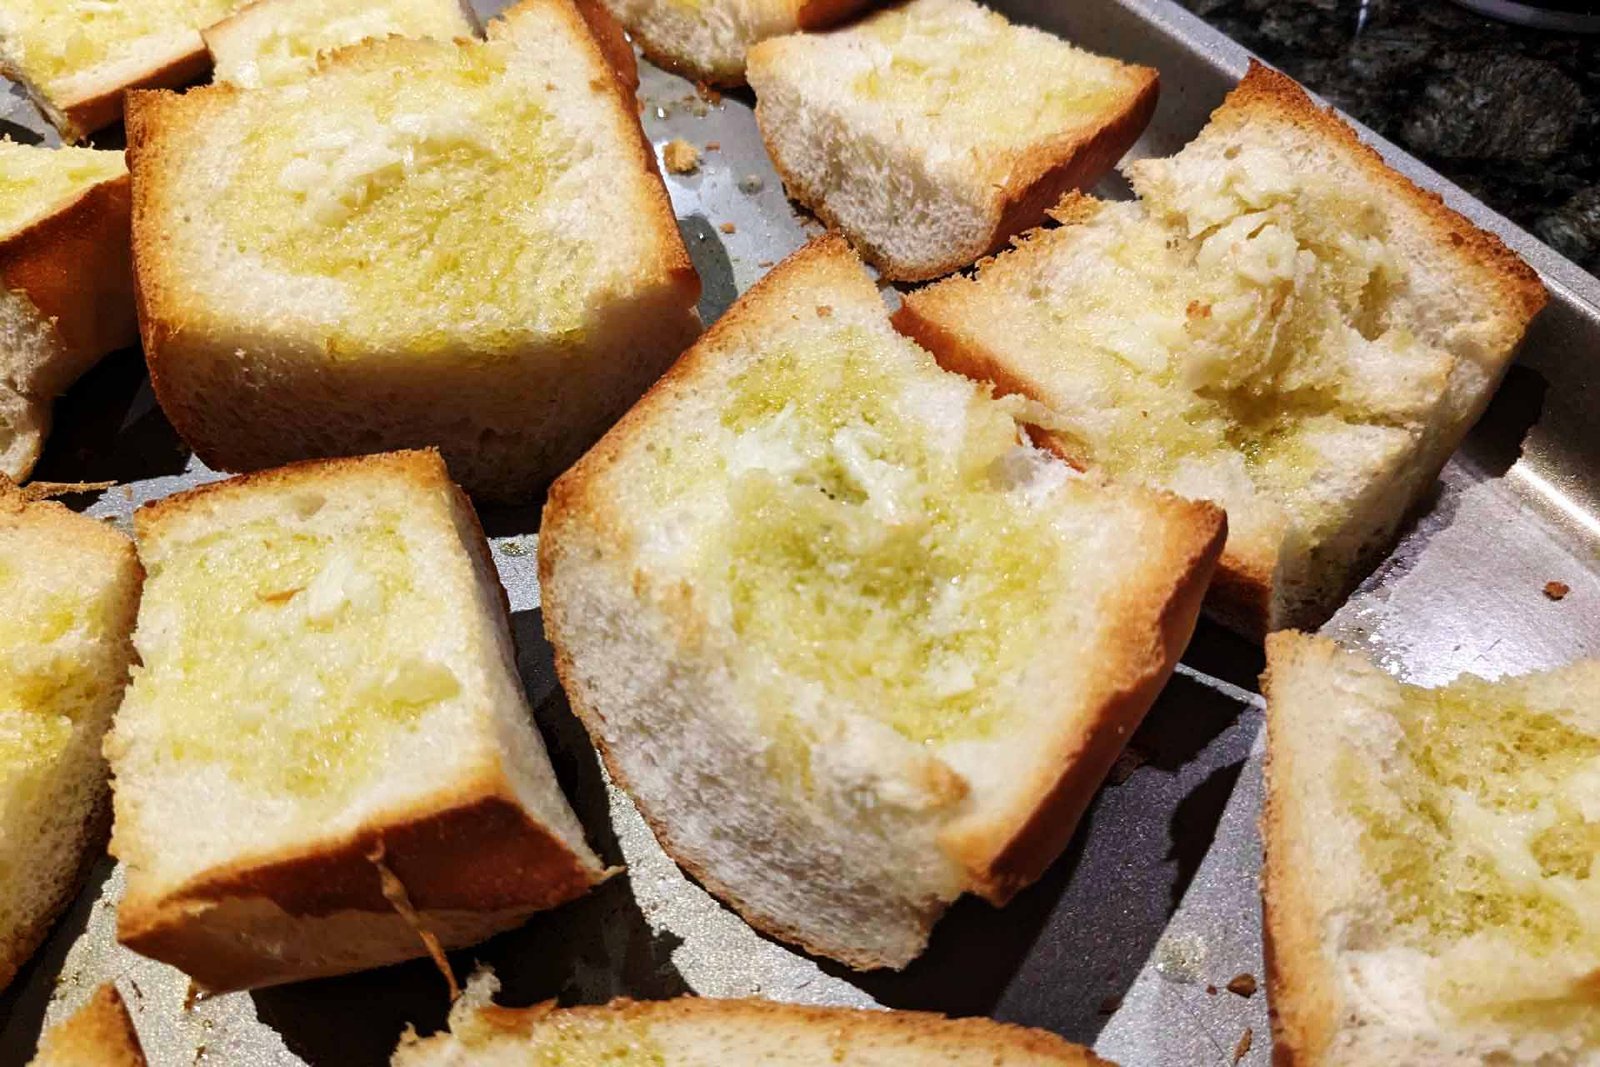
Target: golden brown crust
100	1033
75	267
1500	270
1303	1001
473	853
821	14
1010	850
844	1025
607	32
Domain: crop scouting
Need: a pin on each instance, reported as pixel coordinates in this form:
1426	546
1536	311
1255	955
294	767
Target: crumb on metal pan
681	157
1557	590
1243	985
1109	1005
728	227
1242	1049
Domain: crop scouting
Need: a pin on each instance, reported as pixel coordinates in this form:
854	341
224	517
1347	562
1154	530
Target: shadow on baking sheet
588	951
108	427
1099	910
23	1003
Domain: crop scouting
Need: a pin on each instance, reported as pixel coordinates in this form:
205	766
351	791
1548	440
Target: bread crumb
708	94
1243	985
751	184
713	146
728	227
824	310
681	157
1211	990
766	263
1246	1039
513	547
1557	590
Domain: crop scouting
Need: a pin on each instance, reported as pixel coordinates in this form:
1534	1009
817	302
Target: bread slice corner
1281	324
707	40
689	1031
372	724
76	58
749	573
66	283
1427	886
274	41
100	1033
932	132
464	169
71	586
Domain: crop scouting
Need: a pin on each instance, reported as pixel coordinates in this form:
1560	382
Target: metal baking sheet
1129	940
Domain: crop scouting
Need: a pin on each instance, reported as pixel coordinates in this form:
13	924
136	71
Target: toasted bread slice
406	248
1282	324
707	39
271	42
328	752
70	587
851	643
695	1032
1432	892
76	58
66	283
932	132
99	1034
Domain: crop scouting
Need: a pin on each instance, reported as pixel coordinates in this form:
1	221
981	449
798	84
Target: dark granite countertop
1512	115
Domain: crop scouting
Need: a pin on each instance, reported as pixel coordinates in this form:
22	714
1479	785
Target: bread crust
472	859
269	421
808	15
842	1024
100	1033
1304	1002
1008	851
74	265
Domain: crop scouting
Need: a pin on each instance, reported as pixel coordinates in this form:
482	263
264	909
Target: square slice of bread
1281	324
457	244
70	586
706	40
66	283
700	1032
1432	891
99	1034
932	132
328	751
76	58
270	42
852	644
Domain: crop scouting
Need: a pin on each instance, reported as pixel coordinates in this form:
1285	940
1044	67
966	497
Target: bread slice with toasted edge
76	58
1430	893
99	1034
274	41
932	132
405	249
327	761
1281	324
66	283
706	40
697	1032
853	645
70	586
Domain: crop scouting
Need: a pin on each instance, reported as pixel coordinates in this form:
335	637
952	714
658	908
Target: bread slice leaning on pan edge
76	58
932	132
1432	892
1281	324
66	283
99	1034
69	586
327	757
850	642
696	1032
282	236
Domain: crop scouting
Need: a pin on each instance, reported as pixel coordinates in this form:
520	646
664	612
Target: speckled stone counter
1510	114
